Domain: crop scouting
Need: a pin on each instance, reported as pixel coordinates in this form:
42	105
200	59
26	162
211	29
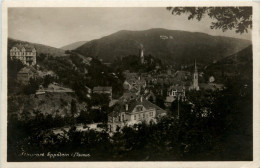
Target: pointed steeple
195	77
195	67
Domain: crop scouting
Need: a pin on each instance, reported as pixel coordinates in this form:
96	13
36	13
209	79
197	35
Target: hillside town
151	95
138	102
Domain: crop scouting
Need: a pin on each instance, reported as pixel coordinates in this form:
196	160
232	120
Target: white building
211	79
133	112
25	53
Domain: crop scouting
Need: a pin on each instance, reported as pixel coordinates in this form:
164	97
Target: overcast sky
61	26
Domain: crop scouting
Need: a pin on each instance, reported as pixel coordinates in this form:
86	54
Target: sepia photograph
139	84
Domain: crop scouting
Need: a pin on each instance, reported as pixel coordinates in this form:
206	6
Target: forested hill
41	49
240	63
73	46
171	46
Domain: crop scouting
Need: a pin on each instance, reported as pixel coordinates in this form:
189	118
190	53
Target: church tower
195	78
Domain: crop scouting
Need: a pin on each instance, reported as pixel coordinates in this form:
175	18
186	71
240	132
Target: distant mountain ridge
39	47
73	46
171	46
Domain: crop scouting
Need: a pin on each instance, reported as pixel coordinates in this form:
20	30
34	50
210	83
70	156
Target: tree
14	66
84	117
47	80
160	102
32	86
73	107
151	99
238	18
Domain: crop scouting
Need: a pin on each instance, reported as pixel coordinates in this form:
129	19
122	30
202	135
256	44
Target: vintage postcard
130	84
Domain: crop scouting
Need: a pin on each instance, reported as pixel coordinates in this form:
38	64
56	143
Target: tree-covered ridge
240	63
179	47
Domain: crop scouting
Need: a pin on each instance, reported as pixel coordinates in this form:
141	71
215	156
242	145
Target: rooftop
121	106
27	70
27	47
179	88
102	88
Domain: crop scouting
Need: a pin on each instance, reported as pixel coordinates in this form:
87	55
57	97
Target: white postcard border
256	85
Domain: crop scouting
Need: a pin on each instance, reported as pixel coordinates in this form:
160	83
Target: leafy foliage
73	107
32	86
227	18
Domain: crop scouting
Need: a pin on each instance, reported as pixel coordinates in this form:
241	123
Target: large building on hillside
25	53
135	111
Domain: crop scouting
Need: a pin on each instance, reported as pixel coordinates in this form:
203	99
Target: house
25	74
169	72
128	96
53	88
103	90
211	79
175	92
25	53
211	86
149	95
44	73
133	112
89	91
134	82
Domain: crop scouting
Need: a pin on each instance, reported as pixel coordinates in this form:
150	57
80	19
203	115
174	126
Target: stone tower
195	78
141	54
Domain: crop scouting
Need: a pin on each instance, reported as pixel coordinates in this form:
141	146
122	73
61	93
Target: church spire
195	77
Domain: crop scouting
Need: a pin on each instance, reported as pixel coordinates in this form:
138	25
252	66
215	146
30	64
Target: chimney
126	107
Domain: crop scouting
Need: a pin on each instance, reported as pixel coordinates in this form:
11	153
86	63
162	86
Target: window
143	115
134	117
139	108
